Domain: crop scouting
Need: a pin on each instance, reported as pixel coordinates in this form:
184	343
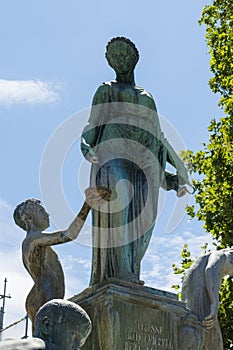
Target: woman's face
121	57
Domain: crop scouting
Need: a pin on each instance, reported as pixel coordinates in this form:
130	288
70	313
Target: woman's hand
182	190
97	195
209	321
94	159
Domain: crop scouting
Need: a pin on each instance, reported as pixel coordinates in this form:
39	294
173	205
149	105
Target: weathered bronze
124	142
200	292
59	325
40	260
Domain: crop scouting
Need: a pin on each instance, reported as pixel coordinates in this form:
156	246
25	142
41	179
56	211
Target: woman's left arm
168	153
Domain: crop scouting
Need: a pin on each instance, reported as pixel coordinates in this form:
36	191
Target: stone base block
126	316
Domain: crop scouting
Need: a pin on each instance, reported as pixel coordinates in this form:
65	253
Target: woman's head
31	213
122	55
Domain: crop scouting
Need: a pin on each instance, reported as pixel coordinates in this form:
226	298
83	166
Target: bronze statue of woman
128	152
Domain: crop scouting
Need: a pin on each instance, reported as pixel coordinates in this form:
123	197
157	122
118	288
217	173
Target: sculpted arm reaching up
39	219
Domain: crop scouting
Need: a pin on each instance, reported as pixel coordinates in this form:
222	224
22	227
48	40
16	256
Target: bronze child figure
40	260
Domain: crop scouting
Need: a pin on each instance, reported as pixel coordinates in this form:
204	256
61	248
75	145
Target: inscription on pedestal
138	319
147	336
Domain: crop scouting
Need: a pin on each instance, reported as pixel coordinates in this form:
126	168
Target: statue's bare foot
97	195
138	281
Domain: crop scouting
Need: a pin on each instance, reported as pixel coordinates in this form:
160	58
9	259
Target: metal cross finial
2	309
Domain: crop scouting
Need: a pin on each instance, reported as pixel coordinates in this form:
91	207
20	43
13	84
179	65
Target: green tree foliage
214	163
225	312
185	264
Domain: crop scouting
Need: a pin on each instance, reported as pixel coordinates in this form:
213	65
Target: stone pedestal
126	316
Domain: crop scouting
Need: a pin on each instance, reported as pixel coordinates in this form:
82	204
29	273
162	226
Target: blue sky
52	61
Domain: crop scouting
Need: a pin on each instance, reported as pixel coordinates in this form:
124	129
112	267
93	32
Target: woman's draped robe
124	132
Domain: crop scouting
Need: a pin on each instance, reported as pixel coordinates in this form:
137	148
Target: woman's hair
23	213
124	40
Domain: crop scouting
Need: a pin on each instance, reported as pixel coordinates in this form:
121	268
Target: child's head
62	323
31	214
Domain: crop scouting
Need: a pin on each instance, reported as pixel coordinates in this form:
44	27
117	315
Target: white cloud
163	251
76	270
4	204
27	91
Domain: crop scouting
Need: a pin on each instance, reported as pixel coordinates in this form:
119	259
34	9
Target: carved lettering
135	346
147	336
153	340
149	327
135	336
130	346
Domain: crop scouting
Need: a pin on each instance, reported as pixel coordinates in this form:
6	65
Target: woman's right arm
95	123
